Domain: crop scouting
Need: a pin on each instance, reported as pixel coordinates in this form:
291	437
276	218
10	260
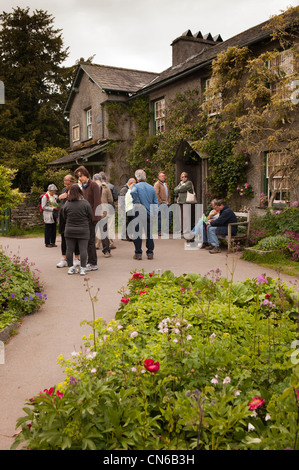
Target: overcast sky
138	34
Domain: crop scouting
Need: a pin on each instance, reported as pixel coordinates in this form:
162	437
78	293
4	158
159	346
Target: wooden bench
243	219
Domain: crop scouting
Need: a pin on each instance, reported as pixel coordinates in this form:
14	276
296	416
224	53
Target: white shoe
62	264
76	262
82	271
73	270
91	267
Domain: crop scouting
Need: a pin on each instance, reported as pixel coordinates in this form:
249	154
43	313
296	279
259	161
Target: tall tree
31	54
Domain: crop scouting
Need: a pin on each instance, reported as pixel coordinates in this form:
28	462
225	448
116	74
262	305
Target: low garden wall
27	214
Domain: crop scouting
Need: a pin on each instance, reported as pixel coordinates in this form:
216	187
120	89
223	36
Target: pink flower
150	274
151	365
59	394
256	403
261	279
133	334
142	292
125	300
137	275
268	296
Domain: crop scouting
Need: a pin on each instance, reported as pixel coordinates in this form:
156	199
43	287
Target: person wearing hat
50	208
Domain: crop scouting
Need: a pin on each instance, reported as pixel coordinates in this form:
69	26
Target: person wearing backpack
49	206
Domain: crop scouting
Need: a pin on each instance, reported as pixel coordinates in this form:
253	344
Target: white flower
93	370
75	354
143	371
267	417
188	337
176	331
119	327
237	393
213	335
226	380
251	427
134	334
175	340
189	325
110	328
254	414
215	379
105	337
91	355
134	369
177	323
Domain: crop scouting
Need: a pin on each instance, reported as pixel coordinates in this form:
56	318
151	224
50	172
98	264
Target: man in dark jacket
91	192
219	226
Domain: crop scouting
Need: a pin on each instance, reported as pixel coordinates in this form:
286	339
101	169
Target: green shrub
20	289
179	368
276	242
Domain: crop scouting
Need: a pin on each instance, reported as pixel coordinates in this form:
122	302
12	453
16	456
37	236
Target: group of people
85	221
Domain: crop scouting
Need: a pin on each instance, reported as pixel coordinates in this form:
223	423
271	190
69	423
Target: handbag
191	197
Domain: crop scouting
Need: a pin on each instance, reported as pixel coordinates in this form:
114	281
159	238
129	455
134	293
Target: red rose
255	403
151	365
268	296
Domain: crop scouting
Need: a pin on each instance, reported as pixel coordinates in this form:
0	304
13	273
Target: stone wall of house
27	214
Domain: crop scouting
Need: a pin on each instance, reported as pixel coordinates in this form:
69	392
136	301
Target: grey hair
102	175
96	177
140	175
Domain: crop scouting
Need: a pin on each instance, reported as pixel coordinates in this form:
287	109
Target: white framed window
159	116
89	123
76	133
283	66
277	172
213	103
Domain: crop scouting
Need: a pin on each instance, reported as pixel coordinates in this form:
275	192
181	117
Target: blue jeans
212	237
165	215
146	226
200	229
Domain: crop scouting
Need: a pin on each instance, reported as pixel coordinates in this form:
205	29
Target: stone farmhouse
94	87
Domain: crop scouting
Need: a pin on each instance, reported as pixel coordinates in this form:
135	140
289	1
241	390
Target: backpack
40	201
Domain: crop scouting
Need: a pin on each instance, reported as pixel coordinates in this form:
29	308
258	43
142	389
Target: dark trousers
91	249
144	225
71	244
63	246
50	233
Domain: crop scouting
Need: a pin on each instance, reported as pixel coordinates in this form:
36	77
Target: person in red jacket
92	193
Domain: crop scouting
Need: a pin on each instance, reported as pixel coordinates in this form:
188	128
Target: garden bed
190	362
20	291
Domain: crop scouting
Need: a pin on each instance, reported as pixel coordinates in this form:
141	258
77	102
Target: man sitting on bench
219	226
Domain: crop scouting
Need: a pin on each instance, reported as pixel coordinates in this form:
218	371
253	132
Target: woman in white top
49	204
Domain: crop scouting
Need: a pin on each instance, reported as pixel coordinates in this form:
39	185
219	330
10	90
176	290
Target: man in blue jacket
146	207
219	226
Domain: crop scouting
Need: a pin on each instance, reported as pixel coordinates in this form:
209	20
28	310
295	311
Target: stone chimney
188	45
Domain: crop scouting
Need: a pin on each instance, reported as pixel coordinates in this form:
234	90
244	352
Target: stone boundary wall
27	214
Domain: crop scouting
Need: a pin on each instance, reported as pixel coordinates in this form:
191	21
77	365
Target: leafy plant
186	364
276	242
20	289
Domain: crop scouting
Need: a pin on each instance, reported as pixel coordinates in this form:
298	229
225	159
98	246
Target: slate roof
113	79
84	152
117	78
207	55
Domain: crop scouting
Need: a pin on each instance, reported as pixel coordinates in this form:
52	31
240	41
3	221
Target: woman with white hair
49	206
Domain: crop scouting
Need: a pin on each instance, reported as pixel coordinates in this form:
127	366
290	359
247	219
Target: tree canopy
36	86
